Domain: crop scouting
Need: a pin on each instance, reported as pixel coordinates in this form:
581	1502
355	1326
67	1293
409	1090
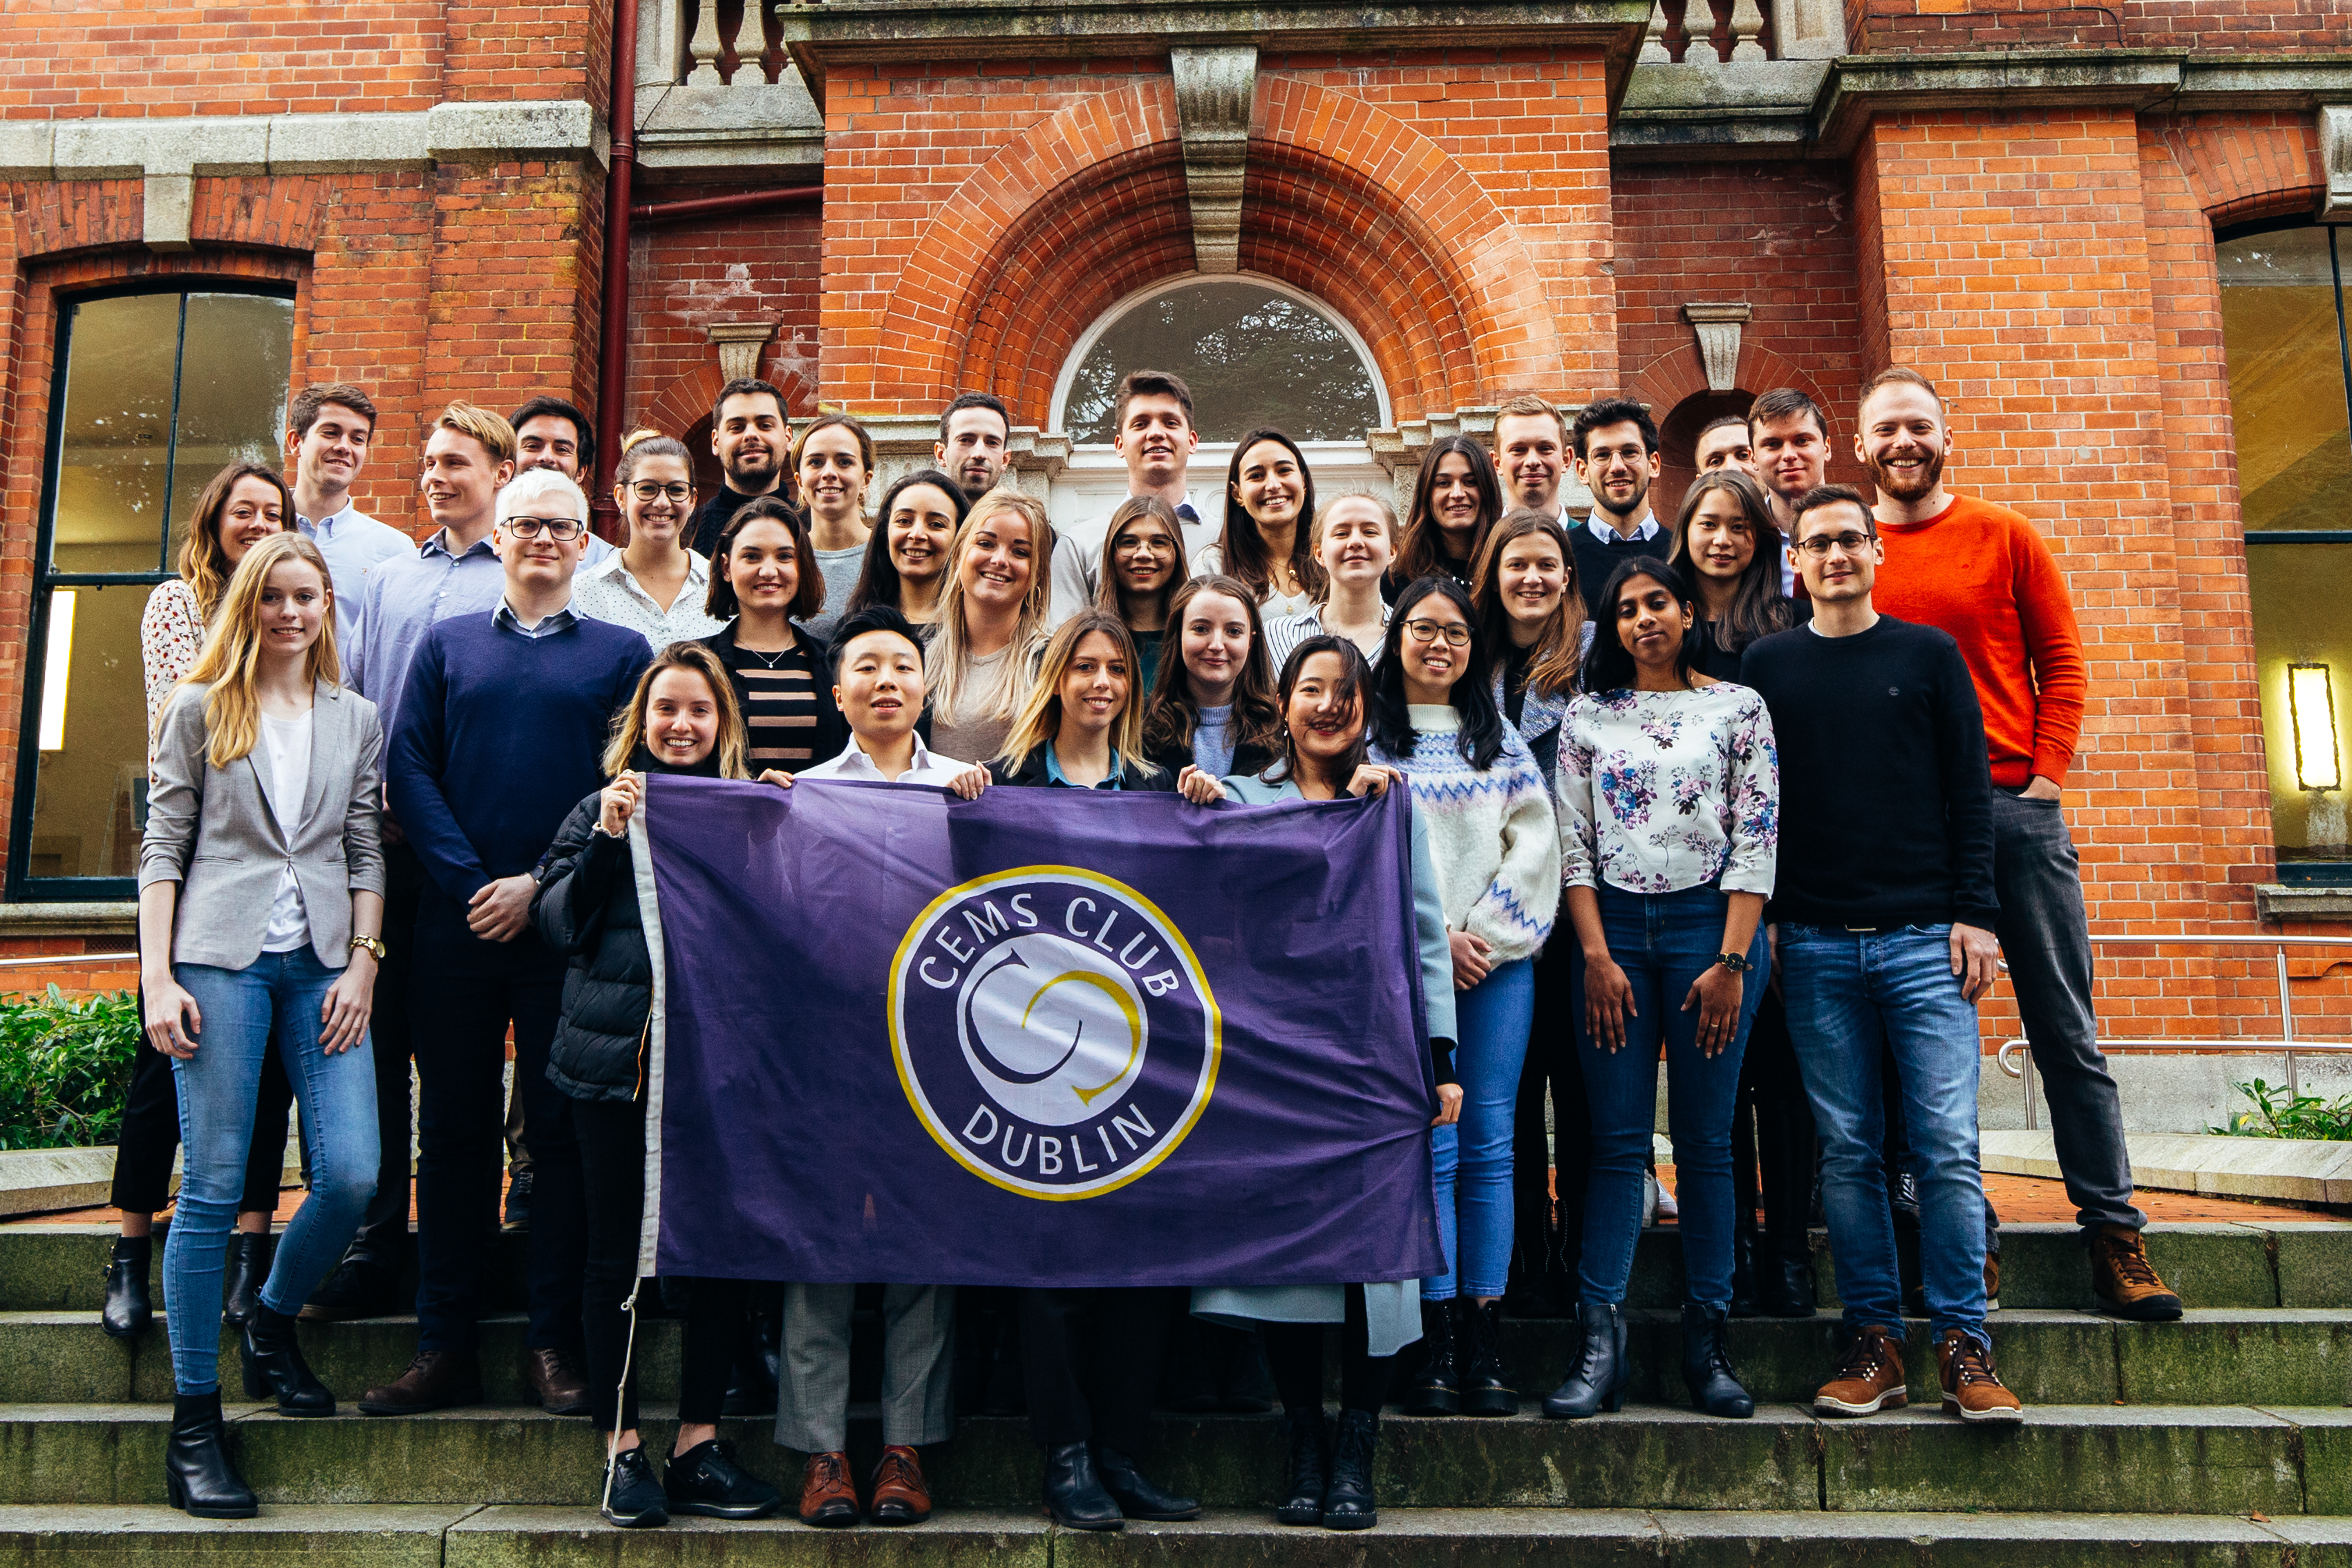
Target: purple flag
1046	1037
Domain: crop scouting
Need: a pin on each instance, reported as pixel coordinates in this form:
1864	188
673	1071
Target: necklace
767	659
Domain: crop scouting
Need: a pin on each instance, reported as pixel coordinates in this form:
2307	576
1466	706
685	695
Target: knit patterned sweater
1491	834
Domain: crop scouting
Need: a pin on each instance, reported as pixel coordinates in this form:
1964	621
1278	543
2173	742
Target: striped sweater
1491	834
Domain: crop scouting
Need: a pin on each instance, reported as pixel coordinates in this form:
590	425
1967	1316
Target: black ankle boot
1304	1474
1707	1366
1784	1283
197	1471
274	1367
1478	1331
1598	1381
248	1266
1434	1390
1745	1299
1347	1505
1074	1492
128	1308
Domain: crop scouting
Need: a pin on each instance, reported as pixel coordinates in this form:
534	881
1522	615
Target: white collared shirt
924	766
352	544
1647	528
606	592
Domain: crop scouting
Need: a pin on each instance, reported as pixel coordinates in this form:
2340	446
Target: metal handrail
2016	1056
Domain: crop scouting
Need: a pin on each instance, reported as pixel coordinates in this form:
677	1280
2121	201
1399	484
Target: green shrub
64	1066
2280	1114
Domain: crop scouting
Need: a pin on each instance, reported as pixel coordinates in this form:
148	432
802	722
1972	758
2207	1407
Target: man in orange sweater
1982	573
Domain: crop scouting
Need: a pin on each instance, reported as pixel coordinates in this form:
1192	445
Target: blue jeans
1663	942
275	1000
1473	1158
1850	994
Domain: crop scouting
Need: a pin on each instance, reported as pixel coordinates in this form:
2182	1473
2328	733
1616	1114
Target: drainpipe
612	340
724	206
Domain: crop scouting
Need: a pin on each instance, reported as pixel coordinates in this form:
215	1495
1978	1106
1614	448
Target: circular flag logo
1052	1030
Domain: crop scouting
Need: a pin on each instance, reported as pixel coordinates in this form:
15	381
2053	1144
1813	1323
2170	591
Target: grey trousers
2045	935
813	1404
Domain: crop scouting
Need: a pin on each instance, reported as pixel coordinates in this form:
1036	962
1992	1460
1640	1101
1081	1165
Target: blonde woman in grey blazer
260	899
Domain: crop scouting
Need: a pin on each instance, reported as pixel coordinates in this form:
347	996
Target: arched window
2283	327
1254	352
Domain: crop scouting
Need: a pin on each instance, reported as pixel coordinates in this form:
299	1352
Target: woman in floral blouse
1669	818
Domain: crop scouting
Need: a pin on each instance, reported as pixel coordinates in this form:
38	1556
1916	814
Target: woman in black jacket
683	719
1082	728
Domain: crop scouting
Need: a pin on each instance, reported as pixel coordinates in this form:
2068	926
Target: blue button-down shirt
405	597
354	544
546	626
1054	774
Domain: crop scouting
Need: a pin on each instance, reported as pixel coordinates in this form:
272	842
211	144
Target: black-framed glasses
559	529
1819	545
1457	635
645	490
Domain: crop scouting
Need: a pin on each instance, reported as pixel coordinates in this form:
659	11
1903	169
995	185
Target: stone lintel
738	344
1216	90
2336	163
1717	324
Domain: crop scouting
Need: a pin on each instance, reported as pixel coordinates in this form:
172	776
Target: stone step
2212	1356
363	1536
2207	1459
2283	1263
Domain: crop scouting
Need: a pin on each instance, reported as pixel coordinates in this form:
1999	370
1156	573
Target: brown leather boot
1972	1389
1869	1377
435	1380
562	1387
899	1495
2125	1282
828	1500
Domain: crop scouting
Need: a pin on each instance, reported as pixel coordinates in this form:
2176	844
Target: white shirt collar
923	765
1647	528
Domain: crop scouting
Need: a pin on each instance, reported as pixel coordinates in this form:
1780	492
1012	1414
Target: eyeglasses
1457	635
1820	545
645	490
1141	544
559	529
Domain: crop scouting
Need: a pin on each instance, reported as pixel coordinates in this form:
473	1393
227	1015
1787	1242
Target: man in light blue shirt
327	432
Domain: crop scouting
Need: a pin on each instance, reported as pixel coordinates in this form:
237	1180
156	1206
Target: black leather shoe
634	1497
358	1287
1138	1498
1435	1388
518	1217
128	1308
198	1474
1304	1473
1349	1504
248	1265
274	1367
1707	1366
1479	1347
1075	1494
1597	1383
706	1480
1784	1285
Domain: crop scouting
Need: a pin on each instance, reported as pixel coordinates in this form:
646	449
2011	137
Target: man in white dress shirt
877	683
1614	444
327	432
1154	435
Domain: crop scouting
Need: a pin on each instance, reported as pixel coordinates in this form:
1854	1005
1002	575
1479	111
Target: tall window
2282	314
155	393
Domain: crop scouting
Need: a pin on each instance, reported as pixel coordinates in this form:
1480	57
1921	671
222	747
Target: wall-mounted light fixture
2313	707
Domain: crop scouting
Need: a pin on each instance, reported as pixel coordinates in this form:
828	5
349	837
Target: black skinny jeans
612	1166
1294	1352
1548	1241
150	1136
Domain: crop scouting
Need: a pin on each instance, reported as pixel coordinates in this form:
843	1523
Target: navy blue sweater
500	735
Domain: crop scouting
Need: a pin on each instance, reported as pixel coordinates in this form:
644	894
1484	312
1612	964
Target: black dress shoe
1075	1494
247	1267
1138	1498
518	1202
634	1498
706	1480
198	1474
358	1287
274	1367
128	1308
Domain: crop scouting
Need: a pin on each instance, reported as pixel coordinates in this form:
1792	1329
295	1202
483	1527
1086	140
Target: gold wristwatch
375	944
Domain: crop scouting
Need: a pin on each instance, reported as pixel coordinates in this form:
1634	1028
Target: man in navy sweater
499	736
1883	915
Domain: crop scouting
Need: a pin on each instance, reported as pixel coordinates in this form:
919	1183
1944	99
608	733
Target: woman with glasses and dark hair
654	584
1725	539
907	556
1669	802
1325	687
763	585
1142	573
1456	498
1497	855
1269	514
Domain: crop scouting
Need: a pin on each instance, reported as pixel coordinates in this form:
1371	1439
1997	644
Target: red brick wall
2226	27
684	278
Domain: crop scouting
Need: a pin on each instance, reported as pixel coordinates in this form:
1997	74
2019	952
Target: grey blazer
212	831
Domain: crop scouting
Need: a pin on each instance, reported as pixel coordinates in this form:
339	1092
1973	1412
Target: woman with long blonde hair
244	504
681	720
1082	724
993	620
260	905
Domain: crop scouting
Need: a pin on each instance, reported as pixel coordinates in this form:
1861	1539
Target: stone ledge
293	143
79	919
2284	1169
2277	901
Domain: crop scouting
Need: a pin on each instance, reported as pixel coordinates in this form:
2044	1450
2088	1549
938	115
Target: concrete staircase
2225	1438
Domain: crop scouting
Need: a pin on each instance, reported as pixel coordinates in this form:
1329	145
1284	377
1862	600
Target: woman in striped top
764	575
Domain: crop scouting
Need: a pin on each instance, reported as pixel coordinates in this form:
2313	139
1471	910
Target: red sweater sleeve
2053	646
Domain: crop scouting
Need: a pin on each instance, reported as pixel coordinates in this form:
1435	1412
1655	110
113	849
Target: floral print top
1663	790
171	634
